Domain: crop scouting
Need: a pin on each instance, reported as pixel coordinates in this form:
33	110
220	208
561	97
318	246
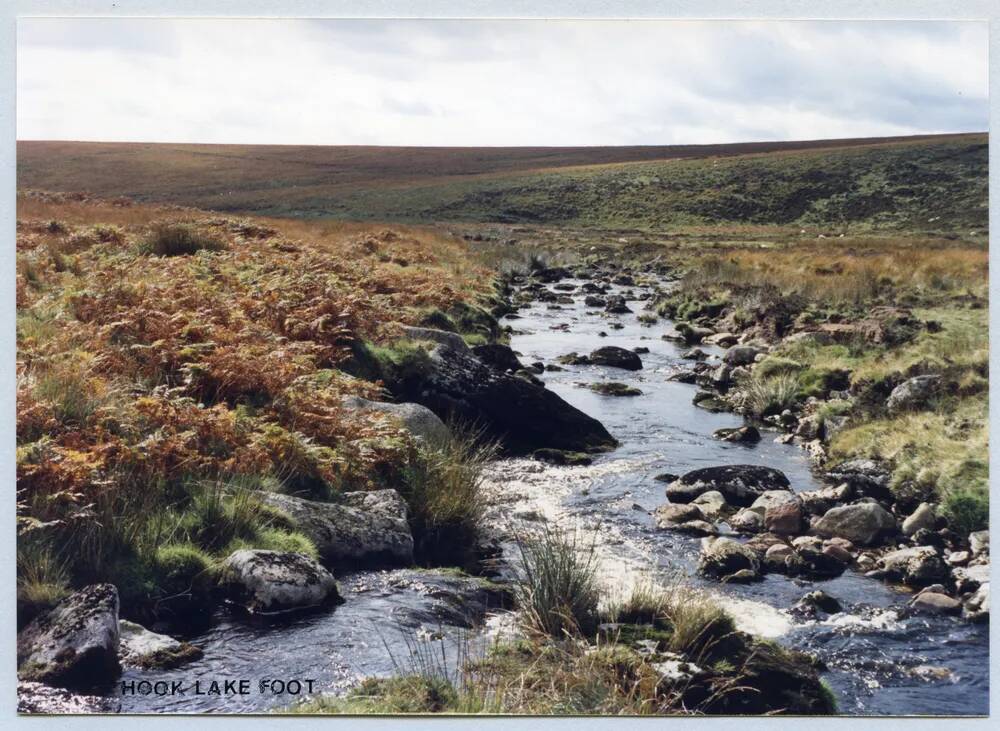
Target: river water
879	662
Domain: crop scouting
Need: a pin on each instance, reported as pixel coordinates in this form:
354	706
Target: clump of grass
42	580
442	486
175	239
556	585
771	395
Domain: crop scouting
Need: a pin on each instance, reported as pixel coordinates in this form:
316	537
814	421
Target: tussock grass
556	585
442	486
770	394
178	240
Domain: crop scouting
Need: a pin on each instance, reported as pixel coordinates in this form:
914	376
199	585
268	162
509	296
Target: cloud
422	82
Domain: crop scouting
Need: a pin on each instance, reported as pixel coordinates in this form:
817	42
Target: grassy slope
934	183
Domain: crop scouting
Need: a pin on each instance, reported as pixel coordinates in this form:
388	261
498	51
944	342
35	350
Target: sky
479	83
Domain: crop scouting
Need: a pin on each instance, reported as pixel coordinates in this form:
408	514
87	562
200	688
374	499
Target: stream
878	661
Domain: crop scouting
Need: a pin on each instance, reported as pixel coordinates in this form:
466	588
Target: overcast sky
495	82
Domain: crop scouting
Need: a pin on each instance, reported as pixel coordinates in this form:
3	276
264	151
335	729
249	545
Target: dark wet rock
913	393
615	357
44	699
561	457
917	566
721	558
861	523
593	300
695	354
666	477
670	515
921	518
140	648
263	582
741	355
368	528
815	603
499	356
692	334
614	389
565	287
812	564
740	485
522	415
745	434
551	274
683	376
529	377
722	377
640	350
75	644
616	305
865	476
420	421
573	359
930	602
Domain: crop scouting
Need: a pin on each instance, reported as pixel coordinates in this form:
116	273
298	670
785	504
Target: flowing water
879	661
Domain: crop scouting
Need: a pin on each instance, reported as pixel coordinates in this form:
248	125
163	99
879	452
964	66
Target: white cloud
495	82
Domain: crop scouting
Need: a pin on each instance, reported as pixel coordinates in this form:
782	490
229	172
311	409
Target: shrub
765	396
176	239
967	509
442	486
556	586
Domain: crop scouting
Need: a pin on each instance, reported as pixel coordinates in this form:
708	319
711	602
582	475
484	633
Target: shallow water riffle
879	662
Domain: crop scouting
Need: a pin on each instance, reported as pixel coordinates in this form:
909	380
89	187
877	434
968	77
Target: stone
917	566
697	528
772	498
562	457
979	542
861	523
723	340
366	528
747	520
140	648
866	477
264	582
811	542
817	502
741	355
977	606
913	393
610	388
75	644
712	505
776	555
593	300
745	434
809	428
957	558
814	564
669	515
839	553
724	557
934	603
616	305
816	602
695	354
521	415
784	519
419	421
740	485
499	356
922	517
969	578
614	357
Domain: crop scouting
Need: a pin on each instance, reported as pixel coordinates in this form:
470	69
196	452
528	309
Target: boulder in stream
140	648
614	357
861	523
740	485
367	527
75	644
522	415
723	558
265	582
